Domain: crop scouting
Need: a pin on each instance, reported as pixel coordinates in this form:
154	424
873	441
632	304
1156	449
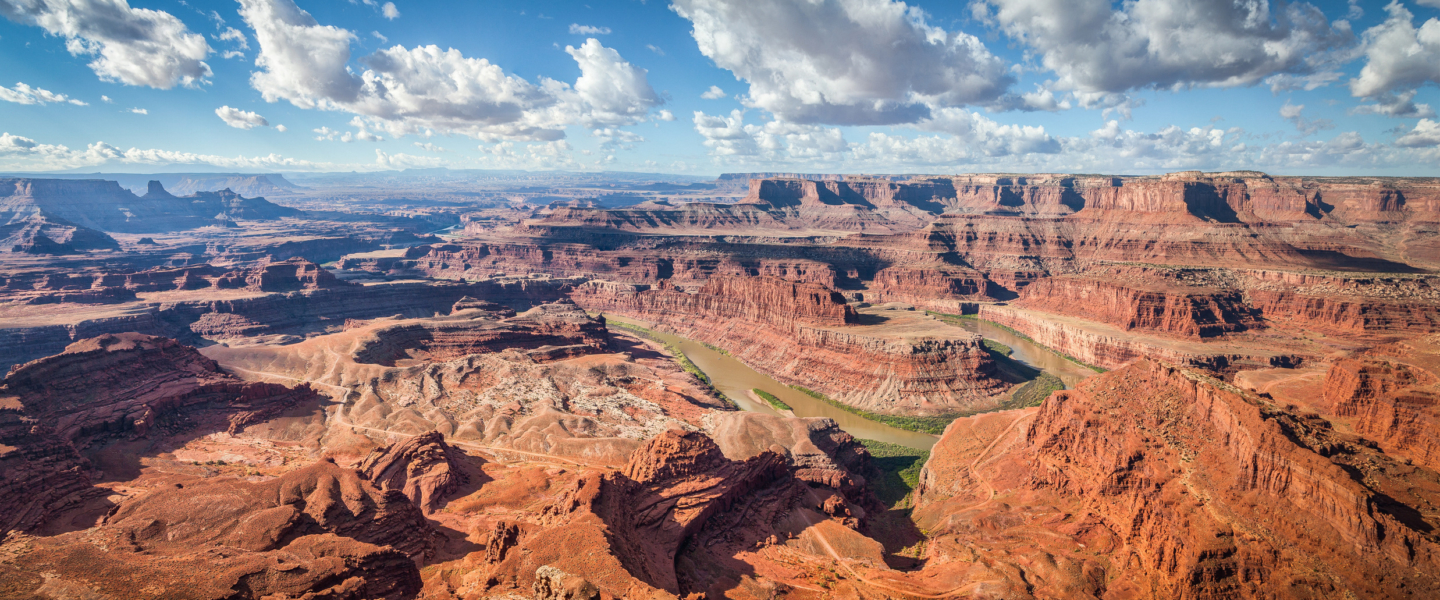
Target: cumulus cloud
240	119
578	29
140	111
24	94
714	93
237	40
135	46
844	62
425	89
281	128
664	115
1096	46
1293	113
389	11
20	153
543	156
1398	58
429	147
1426	134
1395	105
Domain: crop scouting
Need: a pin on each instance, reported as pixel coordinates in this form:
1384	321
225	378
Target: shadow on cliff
121	456
456	544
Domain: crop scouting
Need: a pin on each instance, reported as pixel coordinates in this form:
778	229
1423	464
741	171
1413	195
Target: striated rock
645	513
41	475
1341	314
806	335
1392	393
1157	481
43	234
129	384
422	467
1181	312
319	531
550	331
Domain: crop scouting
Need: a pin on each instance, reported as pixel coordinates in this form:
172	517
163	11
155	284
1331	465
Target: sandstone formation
422	467
806	334
93	203
128	384
1162	482
320	531
1390	395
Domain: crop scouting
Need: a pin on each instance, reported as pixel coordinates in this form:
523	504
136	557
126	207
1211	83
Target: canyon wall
1180	312
93	204
805	334
1159	481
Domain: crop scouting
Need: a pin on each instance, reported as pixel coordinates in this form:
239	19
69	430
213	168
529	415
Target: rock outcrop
320	531
546	332
423	468
127	385
105	206
1163	482
1391	395
805	334
1180	312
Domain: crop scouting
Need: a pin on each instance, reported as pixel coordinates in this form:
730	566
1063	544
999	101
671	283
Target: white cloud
1395	105
1162	44
844	62
545	156
380	36
407	161
714	93
1426	134
140	111
665	115
429	147
1398	59
578	29
655	49
233	35
1292	114
281	128
106	99
240	119
24	94
612	138
389	11
425	89
135	46
20	153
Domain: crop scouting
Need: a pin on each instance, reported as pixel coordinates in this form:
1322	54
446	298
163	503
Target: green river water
735	379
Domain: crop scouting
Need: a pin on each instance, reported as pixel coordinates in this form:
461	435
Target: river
1029	353
735	379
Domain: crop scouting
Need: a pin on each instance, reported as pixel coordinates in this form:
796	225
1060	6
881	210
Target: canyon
474	389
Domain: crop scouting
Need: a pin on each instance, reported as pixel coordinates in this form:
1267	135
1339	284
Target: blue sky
808	85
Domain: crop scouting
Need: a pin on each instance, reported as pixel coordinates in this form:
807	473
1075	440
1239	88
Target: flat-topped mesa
546	332
804	334
129	384
872	193
766	300
283	276
1168	309
97	205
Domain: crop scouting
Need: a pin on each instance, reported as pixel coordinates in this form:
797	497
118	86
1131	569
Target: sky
1340	87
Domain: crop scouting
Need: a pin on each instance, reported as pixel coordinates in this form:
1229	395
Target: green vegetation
932	425
722	351
1035	392
769	397
676	352
997	347
899	470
